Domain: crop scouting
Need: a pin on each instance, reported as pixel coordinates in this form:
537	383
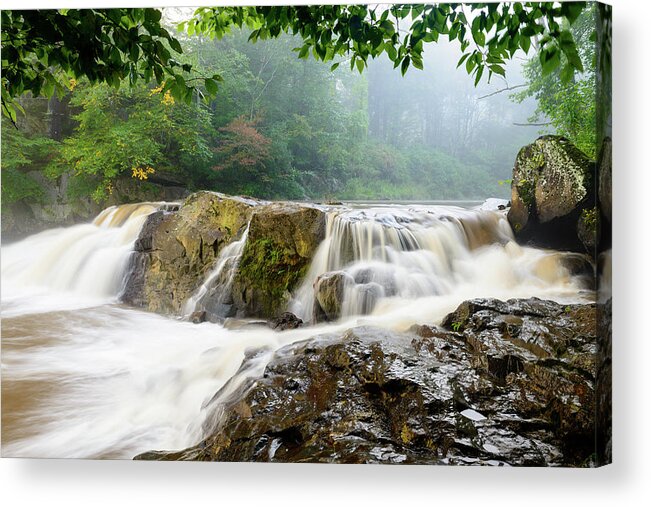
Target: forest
278	126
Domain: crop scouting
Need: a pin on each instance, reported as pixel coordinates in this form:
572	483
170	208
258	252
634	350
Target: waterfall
86	259
213	296
391	255
83	377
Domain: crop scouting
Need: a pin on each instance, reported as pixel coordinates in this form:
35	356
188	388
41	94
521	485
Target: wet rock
197	317
329	295
283	238
501	383
175	250
286	321
604	388
553	183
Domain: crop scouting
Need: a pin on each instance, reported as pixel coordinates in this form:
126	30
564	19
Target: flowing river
86	376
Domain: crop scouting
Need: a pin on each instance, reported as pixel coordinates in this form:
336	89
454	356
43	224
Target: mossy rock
553	182
176	250
283	238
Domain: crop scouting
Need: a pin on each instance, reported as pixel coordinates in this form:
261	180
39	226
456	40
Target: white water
218	283
83	376
401	258
86	259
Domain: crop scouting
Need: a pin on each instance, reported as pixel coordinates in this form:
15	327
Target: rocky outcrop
283	238
606	179
175	251
503	383
552	190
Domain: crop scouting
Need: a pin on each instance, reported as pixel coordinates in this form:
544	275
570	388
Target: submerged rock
286	321
553	183
329	295
503	383
198	317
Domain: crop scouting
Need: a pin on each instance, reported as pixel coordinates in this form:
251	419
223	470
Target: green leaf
498	69
550	60
480	71
334	66
211	86
567	73
462	59
405	65
391	51
479	37
470	64
176	45
134	52
303	53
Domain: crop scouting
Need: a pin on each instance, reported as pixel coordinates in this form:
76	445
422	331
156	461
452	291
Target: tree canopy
43	49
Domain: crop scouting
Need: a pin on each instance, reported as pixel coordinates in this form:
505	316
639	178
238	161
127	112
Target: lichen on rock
553	182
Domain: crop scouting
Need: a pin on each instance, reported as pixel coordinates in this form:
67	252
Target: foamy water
83	376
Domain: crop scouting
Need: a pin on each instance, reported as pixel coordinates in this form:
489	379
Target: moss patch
590	218
271	270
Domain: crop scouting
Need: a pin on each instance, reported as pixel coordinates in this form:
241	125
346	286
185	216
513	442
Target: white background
627	482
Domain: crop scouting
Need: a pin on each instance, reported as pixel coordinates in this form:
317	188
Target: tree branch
508	88
532	124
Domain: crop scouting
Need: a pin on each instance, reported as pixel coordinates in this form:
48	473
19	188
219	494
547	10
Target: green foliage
279	126
568	101
22	154
139	132
43	50
489	33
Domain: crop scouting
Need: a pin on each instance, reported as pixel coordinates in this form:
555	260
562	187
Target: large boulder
283	238
504	383
553	187
175	250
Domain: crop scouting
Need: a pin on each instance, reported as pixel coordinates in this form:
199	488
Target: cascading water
388	257
213	294
86	259
83	376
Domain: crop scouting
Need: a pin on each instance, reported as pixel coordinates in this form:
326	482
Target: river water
86	376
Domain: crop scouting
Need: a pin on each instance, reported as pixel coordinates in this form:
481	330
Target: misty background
279	127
